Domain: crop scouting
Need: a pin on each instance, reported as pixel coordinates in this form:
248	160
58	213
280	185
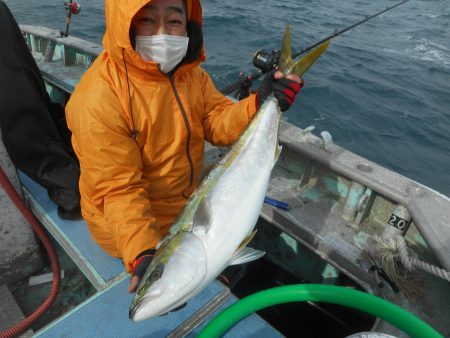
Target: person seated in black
28	122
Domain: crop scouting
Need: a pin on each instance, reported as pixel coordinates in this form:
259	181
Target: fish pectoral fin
246	255
288	66
202	216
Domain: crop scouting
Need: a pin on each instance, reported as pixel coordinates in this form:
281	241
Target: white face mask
167	50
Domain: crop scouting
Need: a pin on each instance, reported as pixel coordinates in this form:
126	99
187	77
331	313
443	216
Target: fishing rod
74	8
265	60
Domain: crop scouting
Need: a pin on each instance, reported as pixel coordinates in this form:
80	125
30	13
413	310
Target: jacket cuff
252	105
129	259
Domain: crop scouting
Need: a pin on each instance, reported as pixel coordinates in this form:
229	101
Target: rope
409	263
397	247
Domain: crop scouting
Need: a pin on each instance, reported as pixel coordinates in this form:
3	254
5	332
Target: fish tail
289	66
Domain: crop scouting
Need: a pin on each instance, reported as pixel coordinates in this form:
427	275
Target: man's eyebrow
168	9
175	9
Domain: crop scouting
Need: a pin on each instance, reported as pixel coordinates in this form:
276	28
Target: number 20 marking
398	222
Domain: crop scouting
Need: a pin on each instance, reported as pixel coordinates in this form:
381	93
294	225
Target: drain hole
364	168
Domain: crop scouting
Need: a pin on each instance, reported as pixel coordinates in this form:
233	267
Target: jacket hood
116	40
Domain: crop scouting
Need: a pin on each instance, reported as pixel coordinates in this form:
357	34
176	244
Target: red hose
27	322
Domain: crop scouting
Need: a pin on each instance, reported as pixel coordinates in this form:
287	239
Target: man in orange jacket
139	118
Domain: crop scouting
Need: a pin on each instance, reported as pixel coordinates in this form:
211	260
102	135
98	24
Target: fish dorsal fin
288	66
246	255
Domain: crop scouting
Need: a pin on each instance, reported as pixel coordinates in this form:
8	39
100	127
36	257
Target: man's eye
177	22
147	20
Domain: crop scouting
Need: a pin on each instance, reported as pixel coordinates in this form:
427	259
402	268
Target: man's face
161	17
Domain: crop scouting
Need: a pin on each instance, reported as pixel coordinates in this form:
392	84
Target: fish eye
157	273
155	276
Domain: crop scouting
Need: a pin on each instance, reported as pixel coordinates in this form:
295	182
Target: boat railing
60	58
44	40
429	209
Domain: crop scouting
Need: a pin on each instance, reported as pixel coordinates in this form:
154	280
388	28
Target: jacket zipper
188	128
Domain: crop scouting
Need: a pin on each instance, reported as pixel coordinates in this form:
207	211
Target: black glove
283	89
142	262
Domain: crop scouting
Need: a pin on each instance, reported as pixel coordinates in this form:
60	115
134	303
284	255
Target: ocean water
382	89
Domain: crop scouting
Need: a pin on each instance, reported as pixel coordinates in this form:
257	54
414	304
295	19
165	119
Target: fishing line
267	60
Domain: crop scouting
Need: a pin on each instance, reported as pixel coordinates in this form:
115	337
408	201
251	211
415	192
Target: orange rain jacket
133	189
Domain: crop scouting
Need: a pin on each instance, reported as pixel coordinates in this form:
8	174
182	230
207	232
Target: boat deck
105	314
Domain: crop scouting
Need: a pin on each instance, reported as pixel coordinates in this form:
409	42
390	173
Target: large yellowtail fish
217	223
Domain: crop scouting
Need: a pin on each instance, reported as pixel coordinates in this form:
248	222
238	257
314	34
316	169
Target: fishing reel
266	60
72	7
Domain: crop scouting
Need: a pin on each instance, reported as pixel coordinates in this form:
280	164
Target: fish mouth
177	308
153	279
133	310
174	279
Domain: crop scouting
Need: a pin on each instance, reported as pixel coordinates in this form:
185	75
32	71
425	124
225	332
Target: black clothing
27	122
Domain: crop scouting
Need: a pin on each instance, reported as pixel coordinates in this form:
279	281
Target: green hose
365	302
